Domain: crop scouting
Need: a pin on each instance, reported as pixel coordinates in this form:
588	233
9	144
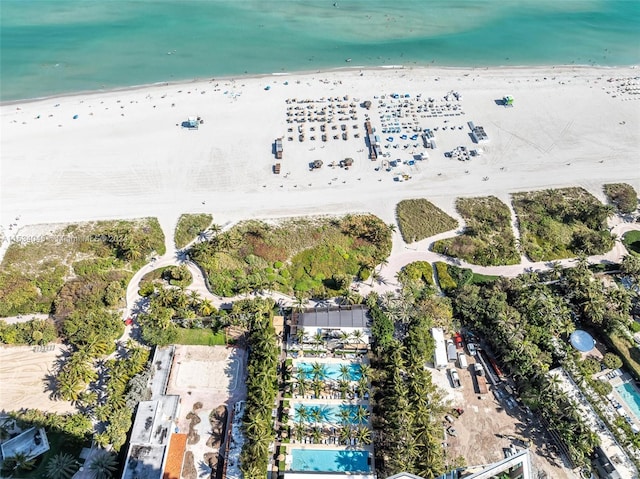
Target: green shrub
603	388
419	219
178	276
189	227
34	331
562	223
612	361
417	271
444	278
590	366
623	196
487	239
318	250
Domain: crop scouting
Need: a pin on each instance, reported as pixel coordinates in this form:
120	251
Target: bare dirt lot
207	377
24	372
488	427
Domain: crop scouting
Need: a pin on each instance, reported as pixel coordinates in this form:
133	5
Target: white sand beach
125	156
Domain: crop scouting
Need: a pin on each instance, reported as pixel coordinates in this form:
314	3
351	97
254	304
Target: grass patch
631	240
419	219
190	226
628	352
487	239
562	223
200	337
316	255
464	276
101	254
622	196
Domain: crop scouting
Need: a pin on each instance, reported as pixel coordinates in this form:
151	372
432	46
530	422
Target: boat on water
348	60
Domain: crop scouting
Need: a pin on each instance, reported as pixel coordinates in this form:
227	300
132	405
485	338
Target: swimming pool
631	398
330	460
326	413
334	371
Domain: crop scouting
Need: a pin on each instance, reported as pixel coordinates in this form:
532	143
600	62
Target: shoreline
359	68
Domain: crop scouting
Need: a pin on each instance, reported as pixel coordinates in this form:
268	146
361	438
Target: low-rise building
150	438
332	322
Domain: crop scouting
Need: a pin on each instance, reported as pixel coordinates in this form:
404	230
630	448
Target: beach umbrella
75	117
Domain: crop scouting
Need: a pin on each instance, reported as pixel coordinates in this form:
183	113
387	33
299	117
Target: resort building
332	322
326	417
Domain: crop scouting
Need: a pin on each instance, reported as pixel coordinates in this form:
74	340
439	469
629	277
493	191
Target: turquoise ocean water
58	46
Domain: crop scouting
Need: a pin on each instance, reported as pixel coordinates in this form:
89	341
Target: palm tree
358	336
318	371
301	384
316	434
299	430
299	303
343	386
103	464
361	414
68	388
345	338
365	371
345	372
194	298
205	307
363	435
19	461
345	416
345	434
315	415
318	339
61	466
303	413
318	386
301	335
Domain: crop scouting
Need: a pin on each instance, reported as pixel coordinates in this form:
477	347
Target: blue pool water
331	371
330	460
631	398
329	413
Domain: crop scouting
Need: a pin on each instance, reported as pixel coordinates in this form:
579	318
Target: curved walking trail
401	255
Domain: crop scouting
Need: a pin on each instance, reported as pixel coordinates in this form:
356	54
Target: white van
462	360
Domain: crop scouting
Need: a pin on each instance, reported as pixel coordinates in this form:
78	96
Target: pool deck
332	447
330	398
617	405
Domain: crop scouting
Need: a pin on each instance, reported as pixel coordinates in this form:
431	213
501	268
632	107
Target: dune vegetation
419	219
487	239
562	223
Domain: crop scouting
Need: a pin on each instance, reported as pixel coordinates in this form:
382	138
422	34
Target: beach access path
402	254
